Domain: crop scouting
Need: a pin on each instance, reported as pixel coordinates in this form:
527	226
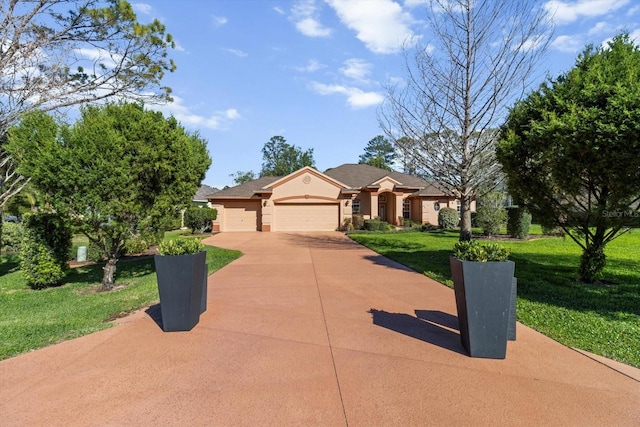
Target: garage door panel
241	217
306	217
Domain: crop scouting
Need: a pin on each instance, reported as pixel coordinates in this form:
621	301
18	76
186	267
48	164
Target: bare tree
476	58
59	53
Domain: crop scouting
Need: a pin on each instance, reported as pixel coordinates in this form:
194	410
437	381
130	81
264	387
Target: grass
602	318
32	319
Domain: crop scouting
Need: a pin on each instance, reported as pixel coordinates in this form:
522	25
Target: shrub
518	223
358	222
199	218
94	253
347	225
38	262
135	245
428	227
375	225
180	247
54	232
473	251
448	218
12	234
491	215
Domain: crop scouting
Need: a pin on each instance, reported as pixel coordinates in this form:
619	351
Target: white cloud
143	8
565	12
102	56
219	21
237	52
569	44
312	65
381	25
232	114
280	11
357	69
304	14
414	3
599	28
356	98
312	28
185	115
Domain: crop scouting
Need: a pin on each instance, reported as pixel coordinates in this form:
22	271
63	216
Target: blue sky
313	71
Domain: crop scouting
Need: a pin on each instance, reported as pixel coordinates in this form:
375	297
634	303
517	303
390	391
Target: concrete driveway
306	330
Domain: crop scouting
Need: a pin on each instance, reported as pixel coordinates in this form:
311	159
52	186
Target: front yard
33	319
602	318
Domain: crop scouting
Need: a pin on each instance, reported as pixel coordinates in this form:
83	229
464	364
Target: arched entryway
387	207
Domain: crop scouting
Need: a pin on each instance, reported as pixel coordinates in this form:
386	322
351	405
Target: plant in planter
181	271
485	291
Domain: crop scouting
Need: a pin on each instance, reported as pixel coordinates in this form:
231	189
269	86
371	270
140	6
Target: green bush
491	215
199	219
94	253
358	222
54	232
448	218
518	222
180	247
375	225
471	250
135	245
38	262
12	234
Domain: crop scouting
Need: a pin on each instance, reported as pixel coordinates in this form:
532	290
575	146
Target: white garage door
241	216
306	217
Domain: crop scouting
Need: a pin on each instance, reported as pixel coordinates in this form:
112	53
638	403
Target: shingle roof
354	176
363	175
245	190
203	192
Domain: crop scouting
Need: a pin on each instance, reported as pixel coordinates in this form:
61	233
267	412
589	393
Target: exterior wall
304	188
365	204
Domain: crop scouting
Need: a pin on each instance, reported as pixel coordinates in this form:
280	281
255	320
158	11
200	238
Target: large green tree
280	158
474	60
118	170
571	150
379	152
58	53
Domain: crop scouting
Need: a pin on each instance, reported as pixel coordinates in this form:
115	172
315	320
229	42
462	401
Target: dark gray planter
182	287
483	293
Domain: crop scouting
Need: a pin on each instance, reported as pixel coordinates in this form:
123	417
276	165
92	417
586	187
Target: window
406	209
382	198
355	207
458	207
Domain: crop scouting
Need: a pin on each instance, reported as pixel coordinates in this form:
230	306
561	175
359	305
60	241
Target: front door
382	212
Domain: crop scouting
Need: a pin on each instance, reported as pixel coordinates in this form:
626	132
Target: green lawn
601	318
33	319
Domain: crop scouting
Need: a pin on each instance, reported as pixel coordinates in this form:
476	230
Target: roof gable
304	170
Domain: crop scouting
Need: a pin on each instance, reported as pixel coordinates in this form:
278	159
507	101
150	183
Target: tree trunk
109	274
465	218
592	261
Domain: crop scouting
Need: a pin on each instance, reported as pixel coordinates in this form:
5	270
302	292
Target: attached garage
306	217
241	216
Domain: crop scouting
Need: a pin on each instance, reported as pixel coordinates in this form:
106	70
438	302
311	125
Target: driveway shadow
430	326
